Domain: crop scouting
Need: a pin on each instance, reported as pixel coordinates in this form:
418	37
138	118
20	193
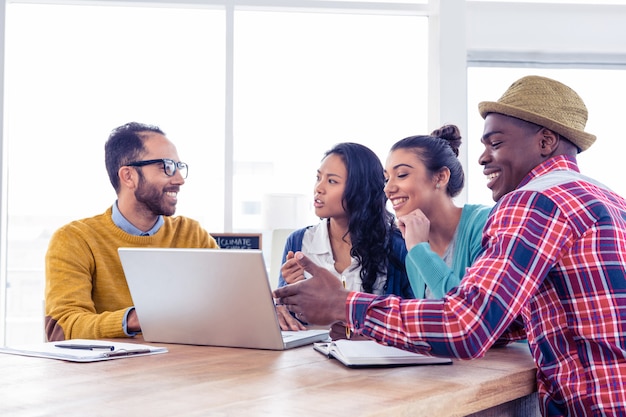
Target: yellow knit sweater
86	291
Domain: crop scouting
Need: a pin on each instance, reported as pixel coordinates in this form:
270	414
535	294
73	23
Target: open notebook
369	353
214	297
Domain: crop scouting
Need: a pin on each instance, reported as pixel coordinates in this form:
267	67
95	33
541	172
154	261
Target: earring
437	186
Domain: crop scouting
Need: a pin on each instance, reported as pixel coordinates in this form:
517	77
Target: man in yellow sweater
86	292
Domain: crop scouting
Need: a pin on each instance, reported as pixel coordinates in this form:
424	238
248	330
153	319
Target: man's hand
319	300
132	322
338	331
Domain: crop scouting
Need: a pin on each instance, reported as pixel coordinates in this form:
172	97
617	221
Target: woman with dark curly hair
357	238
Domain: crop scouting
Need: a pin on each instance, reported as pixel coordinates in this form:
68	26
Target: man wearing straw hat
555	255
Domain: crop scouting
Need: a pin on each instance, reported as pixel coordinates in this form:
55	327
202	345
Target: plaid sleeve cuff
357	304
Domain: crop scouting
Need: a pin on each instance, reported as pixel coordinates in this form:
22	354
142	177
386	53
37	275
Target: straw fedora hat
544	102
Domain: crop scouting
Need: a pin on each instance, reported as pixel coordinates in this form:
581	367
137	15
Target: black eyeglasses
169	166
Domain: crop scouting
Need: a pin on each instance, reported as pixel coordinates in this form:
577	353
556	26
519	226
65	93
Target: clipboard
83	350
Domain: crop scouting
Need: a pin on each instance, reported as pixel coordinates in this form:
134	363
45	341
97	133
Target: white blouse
316	245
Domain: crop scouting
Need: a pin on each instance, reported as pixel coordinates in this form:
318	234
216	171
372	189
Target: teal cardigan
426	268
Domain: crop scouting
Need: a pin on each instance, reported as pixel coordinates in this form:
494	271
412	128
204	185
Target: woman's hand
291	271
287	321
415	228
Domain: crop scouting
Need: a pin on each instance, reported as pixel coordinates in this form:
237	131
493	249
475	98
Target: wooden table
214	381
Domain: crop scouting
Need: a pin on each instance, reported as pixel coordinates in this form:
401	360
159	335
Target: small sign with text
237	240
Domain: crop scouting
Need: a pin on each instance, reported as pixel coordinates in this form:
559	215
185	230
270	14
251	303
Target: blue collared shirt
121	222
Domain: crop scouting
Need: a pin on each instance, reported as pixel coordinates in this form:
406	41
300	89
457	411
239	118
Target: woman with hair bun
423	175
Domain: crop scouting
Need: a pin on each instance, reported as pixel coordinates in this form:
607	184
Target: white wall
546	33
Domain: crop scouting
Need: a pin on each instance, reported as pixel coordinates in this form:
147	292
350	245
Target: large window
72	74
301	83
298	95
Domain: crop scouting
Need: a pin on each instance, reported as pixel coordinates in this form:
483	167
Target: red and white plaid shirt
555	257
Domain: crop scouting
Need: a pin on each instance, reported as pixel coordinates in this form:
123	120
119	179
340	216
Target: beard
153	198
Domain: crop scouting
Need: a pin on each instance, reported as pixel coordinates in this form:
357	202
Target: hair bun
451	134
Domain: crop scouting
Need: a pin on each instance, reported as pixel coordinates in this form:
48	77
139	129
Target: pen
86	347
343	281
124	352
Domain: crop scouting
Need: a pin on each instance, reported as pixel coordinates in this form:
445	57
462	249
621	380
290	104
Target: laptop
212	297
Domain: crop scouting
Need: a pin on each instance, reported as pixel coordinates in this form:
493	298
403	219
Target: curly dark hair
370	224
